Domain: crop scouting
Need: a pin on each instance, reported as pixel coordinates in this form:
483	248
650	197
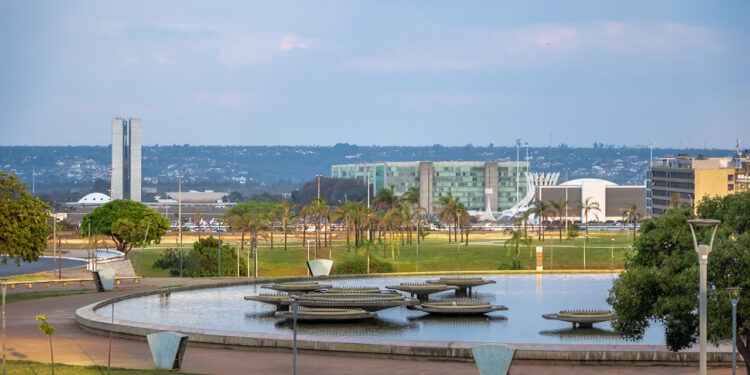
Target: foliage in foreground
23	221
127	223
202	260
661	278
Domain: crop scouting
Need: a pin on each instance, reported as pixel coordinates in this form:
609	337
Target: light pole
734	297
295	304
566	199
518	167
703	250
220	252
612	255
458	244
418	240
308	257
585	239
179	216
368	187
255	248
318	177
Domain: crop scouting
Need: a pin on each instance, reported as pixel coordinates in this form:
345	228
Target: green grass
37	368
18	297
484	252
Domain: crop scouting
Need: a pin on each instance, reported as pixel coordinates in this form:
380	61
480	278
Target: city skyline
297	73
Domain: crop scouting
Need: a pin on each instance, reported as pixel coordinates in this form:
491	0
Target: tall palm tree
305	212
558	208
631	214
271	217
386	199
346	212
523	217
540	210
447	211
286	206
411	197
587	206
465	219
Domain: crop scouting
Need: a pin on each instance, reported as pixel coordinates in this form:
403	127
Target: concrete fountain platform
87	318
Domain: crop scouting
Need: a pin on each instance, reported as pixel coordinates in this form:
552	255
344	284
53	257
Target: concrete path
74	346
43	264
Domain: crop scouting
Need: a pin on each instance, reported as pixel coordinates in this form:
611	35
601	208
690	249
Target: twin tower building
126	159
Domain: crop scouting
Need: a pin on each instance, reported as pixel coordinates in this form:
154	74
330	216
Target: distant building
480	186
126	159
610	197
687	179
194	197
93	199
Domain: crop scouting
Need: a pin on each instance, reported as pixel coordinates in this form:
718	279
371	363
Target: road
43	264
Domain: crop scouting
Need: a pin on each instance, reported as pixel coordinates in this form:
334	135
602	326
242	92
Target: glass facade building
476	184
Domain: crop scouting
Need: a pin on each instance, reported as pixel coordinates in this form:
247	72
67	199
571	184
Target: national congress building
480	186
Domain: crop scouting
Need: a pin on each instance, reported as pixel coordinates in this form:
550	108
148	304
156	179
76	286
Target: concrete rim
89	320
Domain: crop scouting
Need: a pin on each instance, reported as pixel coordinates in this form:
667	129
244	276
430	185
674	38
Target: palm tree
516	240
305	212
271	216
197	218
523	217
346	212
465	219
589	205
558	207
286	206
631	214
447	211
411	197
386	199
540	210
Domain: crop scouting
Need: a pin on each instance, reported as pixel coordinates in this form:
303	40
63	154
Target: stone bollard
168	349
493	359
320	267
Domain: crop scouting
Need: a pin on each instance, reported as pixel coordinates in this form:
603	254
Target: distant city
75	171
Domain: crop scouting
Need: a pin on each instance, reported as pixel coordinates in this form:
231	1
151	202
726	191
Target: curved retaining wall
89	320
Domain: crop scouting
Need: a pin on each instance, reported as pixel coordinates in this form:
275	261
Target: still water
526	296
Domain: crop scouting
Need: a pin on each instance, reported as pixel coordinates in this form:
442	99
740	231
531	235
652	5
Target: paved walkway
75	346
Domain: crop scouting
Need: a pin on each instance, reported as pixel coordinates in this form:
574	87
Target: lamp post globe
703	250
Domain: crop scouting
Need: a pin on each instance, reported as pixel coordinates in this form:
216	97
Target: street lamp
179	215
295	304
612	255
518	167
458	244
586	239
703	250
734	297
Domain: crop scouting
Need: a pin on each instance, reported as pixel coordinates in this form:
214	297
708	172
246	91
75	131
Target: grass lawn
486	251
18	297
37	368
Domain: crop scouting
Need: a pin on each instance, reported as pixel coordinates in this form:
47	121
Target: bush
357	264
202	260
573	231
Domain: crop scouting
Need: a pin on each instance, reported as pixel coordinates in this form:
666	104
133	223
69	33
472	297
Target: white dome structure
588	181
94	198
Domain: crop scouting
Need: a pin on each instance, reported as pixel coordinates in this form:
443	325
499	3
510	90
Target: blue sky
377	72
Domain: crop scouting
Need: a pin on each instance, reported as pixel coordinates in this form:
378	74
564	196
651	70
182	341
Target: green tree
631	215
589	206
516	240
243	217
558	207
23	221
234	197
660	281
126	221
203	260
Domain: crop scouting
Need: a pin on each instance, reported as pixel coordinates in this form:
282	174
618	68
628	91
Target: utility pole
219	250
566	200
518	167
54	240
179	216
368	187
255	248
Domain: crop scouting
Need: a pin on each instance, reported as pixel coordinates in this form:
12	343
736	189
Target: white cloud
290	42
540	44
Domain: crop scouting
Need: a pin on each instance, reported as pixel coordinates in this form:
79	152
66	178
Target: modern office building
481	186
610	197
687	179
126	159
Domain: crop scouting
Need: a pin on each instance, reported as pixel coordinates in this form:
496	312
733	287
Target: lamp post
308	257
295	304
219	252
734	297
703	250
179	216
518	167
585	239
458	244
612	255
566	199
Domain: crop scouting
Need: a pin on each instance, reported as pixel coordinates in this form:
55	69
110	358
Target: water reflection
526	296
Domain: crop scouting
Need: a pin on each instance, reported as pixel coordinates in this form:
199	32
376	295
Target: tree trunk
744	349
270	229
242	240
285	233
348	246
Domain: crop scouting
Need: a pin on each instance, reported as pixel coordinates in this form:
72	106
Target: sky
377	72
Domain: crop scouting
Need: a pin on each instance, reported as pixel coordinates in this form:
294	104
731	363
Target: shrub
573	231
202	260
357	264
